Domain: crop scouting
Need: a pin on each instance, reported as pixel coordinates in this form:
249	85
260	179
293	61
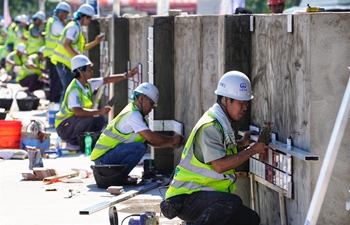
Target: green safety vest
2	39
34	43
18	60
50	39
11	36
60	53
111	137
191	175
65	112
26	71
18	39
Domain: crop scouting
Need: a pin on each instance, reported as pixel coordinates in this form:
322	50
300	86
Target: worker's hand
132	73
105	110
260	147
99	38
245	141
177	141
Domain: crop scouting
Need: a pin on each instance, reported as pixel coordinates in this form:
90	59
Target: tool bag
108	175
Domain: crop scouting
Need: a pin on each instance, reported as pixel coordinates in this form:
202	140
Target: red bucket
10	134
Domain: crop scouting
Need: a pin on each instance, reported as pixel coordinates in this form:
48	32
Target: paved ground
36	203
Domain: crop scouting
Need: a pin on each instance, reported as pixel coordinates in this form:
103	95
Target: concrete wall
298	82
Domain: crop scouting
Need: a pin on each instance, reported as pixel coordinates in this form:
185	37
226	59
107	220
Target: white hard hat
149	90
39	15
42	49
17	18
86	9
80	61
23	19
2	22
63	6
22	48
236	85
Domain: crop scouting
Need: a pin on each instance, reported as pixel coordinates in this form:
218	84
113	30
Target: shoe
129	181
71	147
30	95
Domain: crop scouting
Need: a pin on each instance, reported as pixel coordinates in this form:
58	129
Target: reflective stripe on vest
61	54
18	39
191	175
26	71
50	39
111	137
65	112
34	43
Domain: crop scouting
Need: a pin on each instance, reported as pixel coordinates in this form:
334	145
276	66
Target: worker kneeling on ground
125	139
31	74
76	114
14	61
202	190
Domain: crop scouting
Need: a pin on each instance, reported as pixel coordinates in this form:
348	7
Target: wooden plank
119	198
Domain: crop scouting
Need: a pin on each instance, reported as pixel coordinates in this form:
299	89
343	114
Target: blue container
30	139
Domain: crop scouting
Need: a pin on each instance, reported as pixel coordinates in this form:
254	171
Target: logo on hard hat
243	87
222	84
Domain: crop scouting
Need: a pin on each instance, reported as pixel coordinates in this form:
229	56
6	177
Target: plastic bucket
53	109
6	103
108	175
81	139
10	134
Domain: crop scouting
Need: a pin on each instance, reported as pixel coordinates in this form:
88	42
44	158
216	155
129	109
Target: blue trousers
128	154
209	208
66	76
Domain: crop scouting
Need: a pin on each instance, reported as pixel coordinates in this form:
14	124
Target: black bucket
25	104
3	115
108	175
81	139
6	103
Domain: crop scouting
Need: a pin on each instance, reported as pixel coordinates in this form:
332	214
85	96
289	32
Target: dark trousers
32	83
71	127
210	208
55	82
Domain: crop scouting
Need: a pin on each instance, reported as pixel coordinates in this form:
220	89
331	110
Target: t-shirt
35	32
209	144
72	32
133	122
57	27
74	95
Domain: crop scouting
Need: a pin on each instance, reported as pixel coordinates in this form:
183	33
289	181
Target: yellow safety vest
34	43
26	71
60	53
50	39
18	60
10	39
191	175
111	137
18	39
66	112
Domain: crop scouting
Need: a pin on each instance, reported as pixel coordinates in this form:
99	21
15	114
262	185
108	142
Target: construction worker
53	30
72	43
11	36
125	139
276	6
202	190
2	44
31	74
15	60
76	114
21	32
36	39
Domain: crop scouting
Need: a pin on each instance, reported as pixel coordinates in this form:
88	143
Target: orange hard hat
275	2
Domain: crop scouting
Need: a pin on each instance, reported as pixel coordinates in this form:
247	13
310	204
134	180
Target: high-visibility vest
26	71
34	43
191	175
2	39
11	36
18	60
61	54
66	112
50	39
18	39
111	137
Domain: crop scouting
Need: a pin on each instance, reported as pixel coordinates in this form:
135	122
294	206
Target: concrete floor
32	202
